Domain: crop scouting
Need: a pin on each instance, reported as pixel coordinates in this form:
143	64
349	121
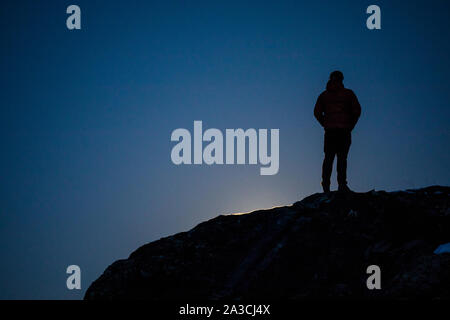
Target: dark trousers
337	143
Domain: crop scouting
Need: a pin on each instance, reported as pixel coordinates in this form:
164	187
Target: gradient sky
86	117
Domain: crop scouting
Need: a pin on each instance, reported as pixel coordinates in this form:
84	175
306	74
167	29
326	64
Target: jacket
337	107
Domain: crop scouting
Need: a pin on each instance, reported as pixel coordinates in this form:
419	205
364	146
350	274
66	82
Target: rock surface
319	247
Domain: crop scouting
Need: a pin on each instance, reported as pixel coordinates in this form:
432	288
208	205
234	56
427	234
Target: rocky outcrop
319	247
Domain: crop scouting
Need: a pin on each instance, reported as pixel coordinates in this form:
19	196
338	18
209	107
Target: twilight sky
86	117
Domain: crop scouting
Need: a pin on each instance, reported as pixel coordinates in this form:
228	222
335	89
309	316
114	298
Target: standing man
337	110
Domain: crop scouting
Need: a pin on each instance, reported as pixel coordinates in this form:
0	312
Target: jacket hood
334	85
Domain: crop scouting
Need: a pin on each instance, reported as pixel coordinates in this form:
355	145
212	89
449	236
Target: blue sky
86	117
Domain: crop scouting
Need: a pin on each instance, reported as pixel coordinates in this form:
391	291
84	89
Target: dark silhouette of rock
319	247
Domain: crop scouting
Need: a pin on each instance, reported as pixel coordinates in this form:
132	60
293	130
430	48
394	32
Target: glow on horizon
263	209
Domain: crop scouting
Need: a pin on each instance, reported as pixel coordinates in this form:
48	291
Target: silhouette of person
337	109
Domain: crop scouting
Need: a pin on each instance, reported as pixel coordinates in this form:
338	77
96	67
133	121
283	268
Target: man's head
337	76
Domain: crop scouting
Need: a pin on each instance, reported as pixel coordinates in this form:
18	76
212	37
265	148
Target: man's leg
342	152
342	168
327	166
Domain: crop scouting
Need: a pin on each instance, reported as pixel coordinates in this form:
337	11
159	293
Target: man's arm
318	110
355	109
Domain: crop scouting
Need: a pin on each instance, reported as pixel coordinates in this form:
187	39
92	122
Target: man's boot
344	188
